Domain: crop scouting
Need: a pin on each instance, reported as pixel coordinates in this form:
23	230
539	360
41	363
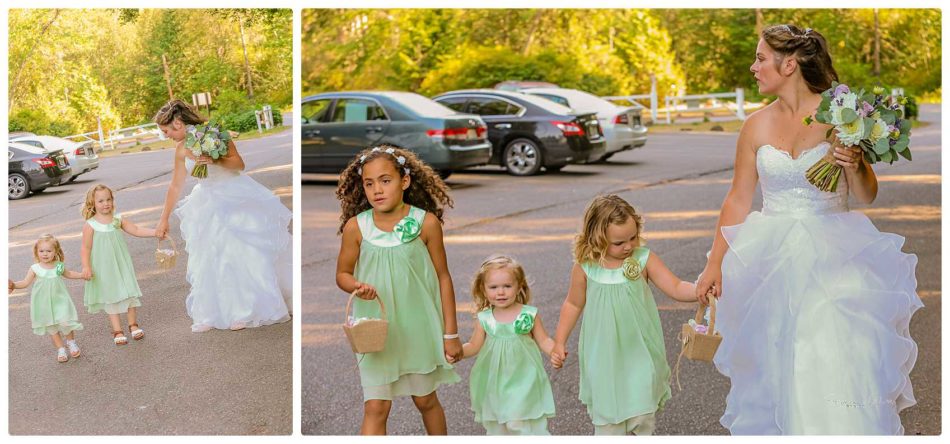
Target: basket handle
349	304
712	314
170	239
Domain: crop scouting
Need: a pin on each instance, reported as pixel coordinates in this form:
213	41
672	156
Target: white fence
120	138
731	101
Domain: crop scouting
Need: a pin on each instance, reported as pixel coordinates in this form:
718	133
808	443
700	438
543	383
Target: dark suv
528	132
336	126
34	169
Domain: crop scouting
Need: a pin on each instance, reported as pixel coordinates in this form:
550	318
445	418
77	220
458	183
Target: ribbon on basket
698	344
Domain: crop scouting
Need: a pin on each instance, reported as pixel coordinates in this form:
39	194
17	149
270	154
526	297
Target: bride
235	232
815	301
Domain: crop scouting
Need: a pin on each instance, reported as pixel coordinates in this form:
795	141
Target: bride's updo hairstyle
176	109
810	50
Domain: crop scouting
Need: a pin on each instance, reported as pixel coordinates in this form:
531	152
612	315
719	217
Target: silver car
82	156
621	125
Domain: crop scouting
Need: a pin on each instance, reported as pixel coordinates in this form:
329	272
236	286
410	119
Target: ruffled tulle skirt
239	254
815	316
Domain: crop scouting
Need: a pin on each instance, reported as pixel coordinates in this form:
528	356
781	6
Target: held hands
161	230
709	282
365	291
558	355
86	274
10	286
453	350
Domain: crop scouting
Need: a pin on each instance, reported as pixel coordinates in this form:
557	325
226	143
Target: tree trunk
535	21
247	65
877	45
759	22
26	60
168	78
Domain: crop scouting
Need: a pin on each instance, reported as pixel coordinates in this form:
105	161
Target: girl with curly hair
392	249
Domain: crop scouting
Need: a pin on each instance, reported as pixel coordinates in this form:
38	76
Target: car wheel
522	157
71	179
444	174
554	168
606	156
17	186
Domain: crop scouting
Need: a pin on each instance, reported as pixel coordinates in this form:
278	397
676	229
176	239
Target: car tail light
481	131
569	128
45	162
456	134
81	151
621	119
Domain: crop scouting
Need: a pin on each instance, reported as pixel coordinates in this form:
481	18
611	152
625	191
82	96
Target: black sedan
34	169
528	132
336	126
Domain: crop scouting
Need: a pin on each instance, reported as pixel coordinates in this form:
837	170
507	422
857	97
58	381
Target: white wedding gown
815	312
239	252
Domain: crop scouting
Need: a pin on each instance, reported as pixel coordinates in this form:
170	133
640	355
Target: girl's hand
86	274
449	359
558	355
365	291
850	158
10	286
709	281
161	230
453	349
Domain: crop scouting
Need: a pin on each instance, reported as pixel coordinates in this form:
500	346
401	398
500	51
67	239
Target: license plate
472	135
61	162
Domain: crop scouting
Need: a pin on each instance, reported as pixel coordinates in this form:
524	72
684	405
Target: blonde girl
51	309
624	376
510	390
111	285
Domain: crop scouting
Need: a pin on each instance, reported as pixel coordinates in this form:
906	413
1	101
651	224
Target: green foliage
603	51
246	121
911	110
38	123
73	65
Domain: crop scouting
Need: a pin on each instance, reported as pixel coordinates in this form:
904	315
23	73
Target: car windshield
422	105
545	104
580	100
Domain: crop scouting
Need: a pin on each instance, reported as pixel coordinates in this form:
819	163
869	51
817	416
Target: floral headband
401	160
803	35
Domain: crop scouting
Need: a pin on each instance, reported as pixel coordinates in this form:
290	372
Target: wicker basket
701	346
369	335
695	345
166	258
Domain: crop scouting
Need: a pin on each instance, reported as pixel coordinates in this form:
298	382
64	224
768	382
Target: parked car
520	85
528	132
622	126
337	125
34	169
82	155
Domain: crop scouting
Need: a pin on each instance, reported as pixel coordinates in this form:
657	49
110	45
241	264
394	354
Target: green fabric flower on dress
60	268
631	268
407	229
524	323
116	222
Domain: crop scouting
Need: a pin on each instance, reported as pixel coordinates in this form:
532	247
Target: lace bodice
785	189
215	172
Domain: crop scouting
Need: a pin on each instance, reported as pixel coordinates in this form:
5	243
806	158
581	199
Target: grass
165	144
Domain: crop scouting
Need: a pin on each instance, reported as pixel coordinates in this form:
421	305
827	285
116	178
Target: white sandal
118	338
137	332
73	348
61	355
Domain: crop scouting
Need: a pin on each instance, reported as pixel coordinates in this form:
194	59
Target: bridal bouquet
210	140
871	120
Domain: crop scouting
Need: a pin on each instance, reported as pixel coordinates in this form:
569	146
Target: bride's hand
204	160
161	230
849	158
709	281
